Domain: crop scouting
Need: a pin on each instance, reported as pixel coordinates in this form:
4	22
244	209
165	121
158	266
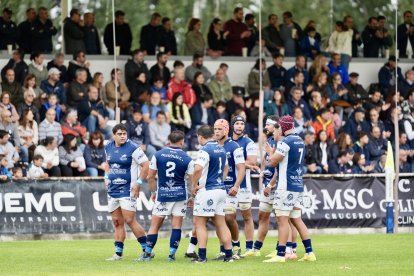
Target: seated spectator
140	92
49	127
28	132
278	106
386	76
374	121
356	123
297	101
221	112
18	65
37	68
336	92
7	149
30	82
277	73
361	145
300	66
301	124
236	102
377	145
319	66
194	41
199	87
321	85
93	114
407	106
335	117
118	91
309	153
216	39
316	104
253	82
375	101
4	172
28	104
98	82
342	143
340	164
321	150
324	122
195	67
13	87
71	158
78	62
78	88
380	166
73	33
298	81
252	117
151	109
335	66
147	41
123	37
50	154
5	104
71	126
133	66
11	127
36	170
404	165
160	69
94	155
355	91
58	62
309	45
406	85
51	103
179	85
220	87
138	132
17	173
54	86
159	130
42	32
180	115
159	87
166	37
260	45
359	164
202	113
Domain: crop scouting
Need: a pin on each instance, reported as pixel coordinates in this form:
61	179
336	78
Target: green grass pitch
374	254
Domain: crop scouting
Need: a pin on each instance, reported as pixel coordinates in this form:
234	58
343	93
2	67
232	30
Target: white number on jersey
170	169
301	155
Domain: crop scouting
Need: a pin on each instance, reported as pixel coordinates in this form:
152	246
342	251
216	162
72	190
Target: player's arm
106	169
139	157
202	159
240	169
279	154
270	186
152	172
251	157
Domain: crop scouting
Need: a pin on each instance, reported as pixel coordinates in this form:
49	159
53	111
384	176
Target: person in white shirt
36	170
48	150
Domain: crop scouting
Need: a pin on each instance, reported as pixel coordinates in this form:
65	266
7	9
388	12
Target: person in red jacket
72	126
179	85
324	122
238	33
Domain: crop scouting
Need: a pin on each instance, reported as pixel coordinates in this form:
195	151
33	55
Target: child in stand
221	111
36	170
255	52
4	172
158	87
17	173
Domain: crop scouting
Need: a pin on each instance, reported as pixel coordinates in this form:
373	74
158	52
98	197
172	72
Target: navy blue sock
294	245
202	253
175	240
119	248
143	242
235	243
288	244
281	250
193	240
221	248
258	245
308	245
249	245
228	252
151	240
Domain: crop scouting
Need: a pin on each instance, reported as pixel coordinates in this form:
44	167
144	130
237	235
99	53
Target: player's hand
153	197
255	169
106	184
195	190
233	191
190	203
266	191
135	190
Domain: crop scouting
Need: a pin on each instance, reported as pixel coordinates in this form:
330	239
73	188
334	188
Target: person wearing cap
8	30
355	91
357	123
386	76
53	85
289	156
19	66
59	63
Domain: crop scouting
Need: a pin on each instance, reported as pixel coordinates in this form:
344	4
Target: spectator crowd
54	119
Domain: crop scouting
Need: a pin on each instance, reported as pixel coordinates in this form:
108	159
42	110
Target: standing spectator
116	90
309	46
5	104
91	38
49	127
300	66
405	34
312	24
194	41
277	73
159	130
30	83
271	34
28	132
377	145
372	39
148	36
140	89
356	93
42	32
340	164
405	86
253	82
160	69
8	30
202	113
36	170
18	65
297	101
37	68
250	21
291	33
53	86
387	39
58	63
348	21
278	105
73	32
180	115
24	37
78	62
216	39
7	149
336	66
52	102
123	33
196	66
13	87
94	155
93	114
78	88
340	42
166	37
357	123
151	109
324	122
322	151
71	158
50	154
133	66
238	33
386	76
71	126
220	87
199	87
179	85
28	104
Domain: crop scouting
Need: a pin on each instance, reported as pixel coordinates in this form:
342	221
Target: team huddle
219	182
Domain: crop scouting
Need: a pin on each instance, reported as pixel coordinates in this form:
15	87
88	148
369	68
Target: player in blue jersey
235	176
288	196
208	187
245	196
171	165
127	169
266	176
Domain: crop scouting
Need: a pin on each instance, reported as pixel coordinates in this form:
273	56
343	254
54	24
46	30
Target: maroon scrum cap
286	123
